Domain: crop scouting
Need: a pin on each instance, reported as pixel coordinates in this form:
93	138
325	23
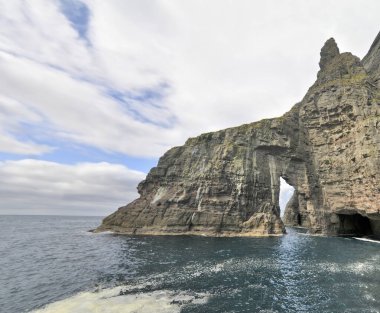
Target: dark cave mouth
299	219
356	225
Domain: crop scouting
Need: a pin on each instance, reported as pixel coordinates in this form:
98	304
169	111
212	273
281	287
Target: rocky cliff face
371	61
227	183
340	118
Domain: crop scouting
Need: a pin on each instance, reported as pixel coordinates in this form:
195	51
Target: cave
354	225
299	219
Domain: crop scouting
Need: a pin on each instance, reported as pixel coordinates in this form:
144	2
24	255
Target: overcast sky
92	92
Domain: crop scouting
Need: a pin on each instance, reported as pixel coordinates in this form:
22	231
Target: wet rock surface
227	183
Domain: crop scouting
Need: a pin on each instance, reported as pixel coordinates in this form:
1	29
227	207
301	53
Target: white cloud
10	144
38	30
12	114
77	110
40	187
225	62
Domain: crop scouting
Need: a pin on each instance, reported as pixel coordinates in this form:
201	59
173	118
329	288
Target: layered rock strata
227	183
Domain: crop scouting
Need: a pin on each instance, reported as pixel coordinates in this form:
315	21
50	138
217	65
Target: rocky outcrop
329	51
226	183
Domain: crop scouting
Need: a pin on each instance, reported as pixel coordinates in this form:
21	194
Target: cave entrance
354	225
286	192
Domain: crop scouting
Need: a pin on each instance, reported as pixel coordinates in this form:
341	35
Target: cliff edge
227	183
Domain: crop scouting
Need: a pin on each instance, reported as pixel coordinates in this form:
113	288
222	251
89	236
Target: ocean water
52	264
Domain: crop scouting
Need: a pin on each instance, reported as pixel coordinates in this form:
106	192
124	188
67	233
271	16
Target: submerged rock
227	183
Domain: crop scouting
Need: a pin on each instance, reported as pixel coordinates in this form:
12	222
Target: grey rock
227	183
329	51
371	61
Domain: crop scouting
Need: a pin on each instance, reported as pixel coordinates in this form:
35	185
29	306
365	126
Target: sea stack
227	183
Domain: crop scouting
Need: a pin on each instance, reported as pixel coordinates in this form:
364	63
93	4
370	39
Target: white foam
359	268
367	239
363	267
110	301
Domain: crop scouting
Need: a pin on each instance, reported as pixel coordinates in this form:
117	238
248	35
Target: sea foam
113	300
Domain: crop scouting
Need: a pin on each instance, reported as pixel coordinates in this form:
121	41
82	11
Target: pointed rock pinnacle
328	52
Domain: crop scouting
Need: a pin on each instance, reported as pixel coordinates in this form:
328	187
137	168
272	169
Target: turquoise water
54	261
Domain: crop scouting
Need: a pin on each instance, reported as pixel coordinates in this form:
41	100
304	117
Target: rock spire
329	51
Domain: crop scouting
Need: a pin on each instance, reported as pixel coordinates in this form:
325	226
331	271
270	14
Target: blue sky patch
67	154
153	97
71	154
78	14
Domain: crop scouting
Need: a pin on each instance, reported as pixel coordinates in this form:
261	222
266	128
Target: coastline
212	234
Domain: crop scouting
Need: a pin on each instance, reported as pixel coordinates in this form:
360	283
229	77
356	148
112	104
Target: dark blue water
47	259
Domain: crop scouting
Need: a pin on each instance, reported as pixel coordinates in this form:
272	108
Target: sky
92	92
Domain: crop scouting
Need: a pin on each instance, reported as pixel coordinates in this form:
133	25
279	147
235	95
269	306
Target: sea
53	264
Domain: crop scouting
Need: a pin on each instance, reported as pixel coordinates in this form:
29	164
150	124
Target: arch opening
286	193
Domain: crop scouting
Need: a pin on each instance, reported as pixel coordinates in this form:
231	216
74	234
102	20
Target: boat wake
125	299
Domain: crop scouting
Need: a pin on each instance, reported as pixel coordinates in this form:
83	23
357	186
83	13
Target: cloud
11	145
12	116
76	110
41	187
227	62
90	77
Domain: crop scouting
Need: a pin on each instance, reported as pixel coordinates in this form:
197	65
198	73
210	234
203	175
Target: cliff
226	183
